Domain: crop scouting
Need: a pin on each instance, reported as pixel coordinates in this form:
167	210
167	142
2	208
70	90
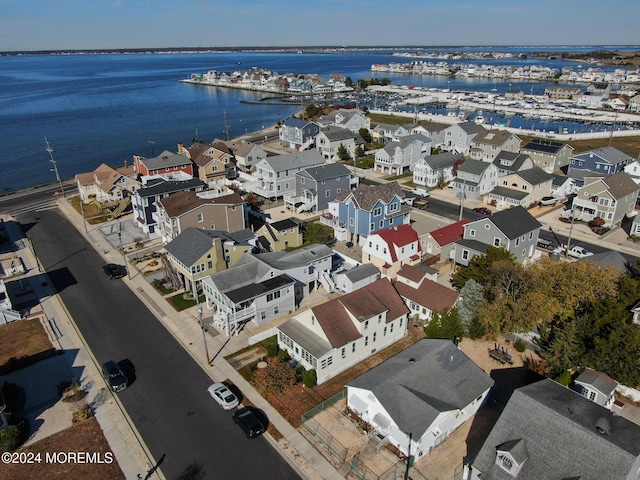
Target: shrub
283	356
564	378
310	379
300	371
272	350
519	345
14	435
273	379
82	413
476	329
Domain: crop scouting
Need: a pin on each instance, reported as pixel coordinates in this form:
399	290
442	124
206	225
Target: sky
106	24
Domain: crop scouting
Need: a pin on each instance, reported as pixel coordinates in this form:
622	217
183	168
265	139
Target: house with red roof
441	241
342	332
392	247
423	296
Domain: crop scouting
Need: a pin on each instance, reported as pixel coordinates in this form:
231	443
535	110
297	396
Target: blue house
298	133
356	214
601	161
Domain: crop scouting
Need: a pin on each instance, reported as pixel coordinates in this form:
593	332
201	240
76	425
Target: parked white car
223	396
576	251
423	192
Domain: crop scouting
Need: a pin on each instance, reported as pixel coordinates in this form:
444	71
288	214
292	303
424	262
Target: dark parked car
248	422
482	210
114	376
114	270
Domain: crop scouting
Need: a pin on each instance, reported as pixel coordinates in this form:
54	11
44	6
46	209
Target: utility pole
204	337
55	166
226	125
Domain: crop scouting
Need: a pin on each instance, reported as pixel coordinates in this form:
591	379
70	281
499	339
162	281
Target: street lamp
204	337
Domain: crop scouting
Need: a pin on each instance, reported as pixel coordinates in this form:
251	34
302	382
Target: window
374	337
380	318
366	324
273	296
213	226
200	218
351	222
377	211
366	340
353	347
263	315
496	242
505	462
372	227
343	352
592	396
487	226
465	254
327	193
384	333
381	223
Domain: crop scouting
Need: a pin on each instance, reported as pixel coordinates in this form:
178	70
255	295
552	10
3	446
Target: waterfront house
440	242
423	295
275	176
196	253
512	162
548	155
352	119
436	170
459	136
338	334
154	189
352	278
474	179
596	386
166	164
211	161
316	186
246	154
216	209
417	398
487	144
356	214
298	133
600	161
279	236
514	229
549	431
524	188
555	92
106	184
397	157
391	248
609	198
330	139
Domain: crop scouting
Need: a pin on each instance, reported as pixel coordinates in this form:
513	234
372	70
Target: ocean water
106	108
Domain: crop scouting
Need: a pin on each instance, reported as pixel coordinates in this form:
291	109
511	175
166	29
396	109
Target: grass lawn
180	303
23	338
85	437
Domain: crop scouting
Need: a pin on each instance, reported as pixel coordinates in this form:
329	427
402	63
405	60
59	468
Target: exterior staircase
171	274
7	316
122	206
327	283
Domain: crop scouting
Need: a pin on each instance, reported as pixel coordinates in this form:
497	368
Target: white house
459	136
352	119
432	170
401	156
427	390
596	386
390	248
475	178
340	333
275	176
353	278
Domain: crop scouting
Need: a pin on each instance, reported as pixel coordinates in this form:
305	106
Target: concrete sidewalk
184	327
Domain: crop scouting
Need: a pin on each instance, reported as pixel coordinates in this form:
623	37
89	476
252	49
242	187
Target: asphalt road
36	198
190	436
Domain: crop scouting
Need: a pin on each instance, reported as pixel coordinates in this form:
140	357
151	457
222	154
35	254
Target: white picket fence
263	335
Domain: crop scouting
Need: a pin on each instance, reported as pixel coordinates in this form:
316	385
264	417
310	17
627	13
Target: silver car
225	397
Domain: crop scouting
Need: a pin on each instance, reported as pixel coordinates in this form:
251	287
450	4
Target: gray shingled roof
361	272
430	377
535	176
296	258
443	160
509	193
189	246
621	184
303	336
296	122
598	380
514	222
326	171
471	127
367	196
288	161
608	259
493	137
165	160
609	155
510	161
337	133
473	166
559	427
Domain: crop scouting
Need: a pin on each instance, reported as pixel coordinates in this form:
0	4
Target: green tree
365	134
478	268
471	300
343	153
348	82
447	325
359	151
310	378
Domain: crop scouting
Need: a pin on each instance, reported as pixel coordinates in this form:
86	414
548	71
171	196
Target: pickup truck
576	251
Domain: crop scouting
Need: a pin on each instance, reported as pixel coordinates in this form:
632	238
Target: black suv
248	422
114	376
